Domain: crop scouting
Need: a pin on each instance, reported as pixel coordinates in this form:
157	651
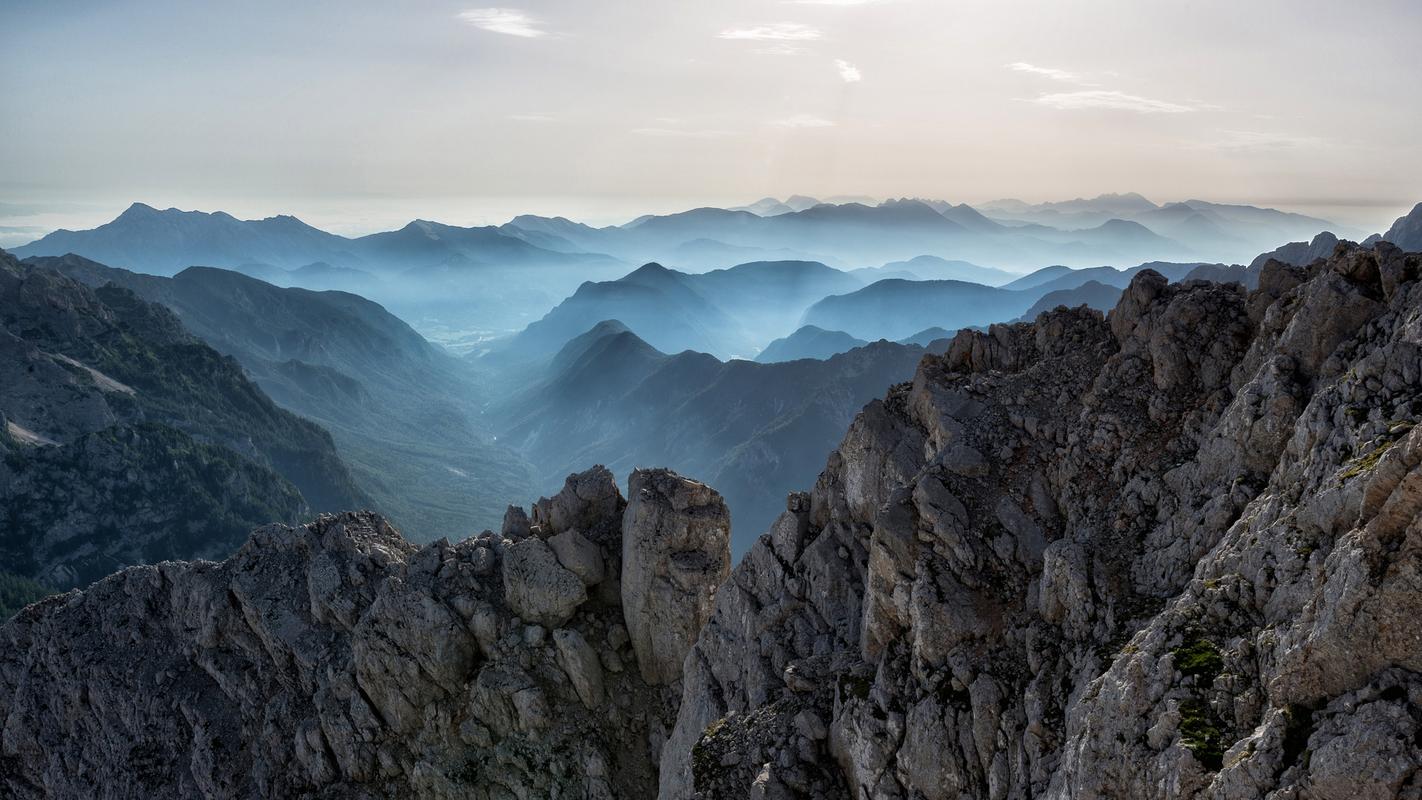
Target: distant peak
608	327
1116	223
649	268
138	210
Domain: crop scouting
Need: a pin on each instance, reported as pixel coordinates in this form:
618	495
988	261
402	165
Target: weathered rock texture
676	550
339	660
1172	552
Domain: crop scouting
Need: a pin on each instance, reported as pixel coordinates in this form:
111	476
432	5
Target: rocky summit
1172	550
339	660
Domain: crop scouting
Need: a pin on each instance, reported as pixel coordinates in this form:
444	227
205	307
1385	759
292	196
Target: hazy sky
360	115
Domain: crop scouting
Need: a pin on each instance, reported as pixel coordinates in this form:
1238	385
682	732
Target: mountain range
462	285
727	312
126	440
404	413
1171	550
808	341
610	397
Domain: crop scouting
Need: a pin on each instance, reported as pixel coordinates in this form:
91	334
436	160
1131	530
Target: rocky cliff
1171	551
339	660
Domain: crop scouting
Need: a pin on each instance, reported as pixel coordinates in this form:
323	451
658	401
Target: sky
359	116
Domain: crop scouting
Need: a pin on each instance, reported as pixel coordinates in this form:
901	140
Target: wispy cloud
1116	101
682	133
1261	141
848	71
775	32
508	21
533	117
781	49
1047	72
835	2
803	121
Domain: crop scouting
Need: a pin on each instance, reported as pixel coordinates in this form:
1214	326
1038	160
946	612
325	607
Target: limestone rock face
1172	551
676	551
1165	553
537	587
339	660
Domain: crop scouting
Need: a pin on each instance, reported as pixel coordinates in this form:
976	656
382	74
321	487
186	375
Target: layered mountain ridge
404	413
1090	555
125	440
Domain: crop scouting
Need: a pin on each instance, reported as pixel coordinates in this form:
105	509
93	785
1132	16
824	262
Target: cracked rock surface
339	660
1170	551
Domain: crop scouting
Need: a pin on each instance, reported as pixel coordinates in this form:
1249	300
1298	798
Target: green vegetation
1367	462
705	760
1199	658
164	495
1297	728
1202	733
16	592
186	385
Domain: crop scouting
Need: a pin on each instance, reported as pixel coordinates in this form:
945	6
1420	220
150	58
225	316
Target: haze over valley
451	374
750	400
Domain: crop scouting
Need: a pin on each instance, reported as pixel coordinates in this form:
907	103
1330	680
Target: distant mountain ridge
425	269
126	440
808	341
1406	231
611	397
465	285
404	413
728	312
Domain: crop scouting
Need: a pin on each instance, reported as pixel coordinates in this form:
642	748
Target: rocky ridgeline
1173	551
339	660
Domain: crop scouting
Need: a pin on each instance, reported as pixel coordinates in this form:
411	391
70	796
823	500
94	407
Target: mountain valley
1086	555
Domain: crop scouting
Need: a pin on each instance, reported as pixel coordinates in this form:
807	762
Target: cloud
803	121
848	71
1261	141
503	20
781	49
1116	101
1047	72
682	133
834	2
775	32
534	117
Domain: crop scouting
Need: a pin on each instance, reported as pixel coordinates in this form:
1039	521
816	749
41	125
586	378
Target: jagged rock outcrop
676	551
1169	551
339	660
1164	553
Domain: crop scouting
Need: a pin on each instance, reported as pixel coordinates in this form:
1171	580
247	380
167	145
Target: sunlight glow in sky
364	114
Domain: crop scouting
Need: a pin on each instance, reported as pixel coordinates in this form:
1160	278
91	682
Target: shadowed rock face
339	660
1169	551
